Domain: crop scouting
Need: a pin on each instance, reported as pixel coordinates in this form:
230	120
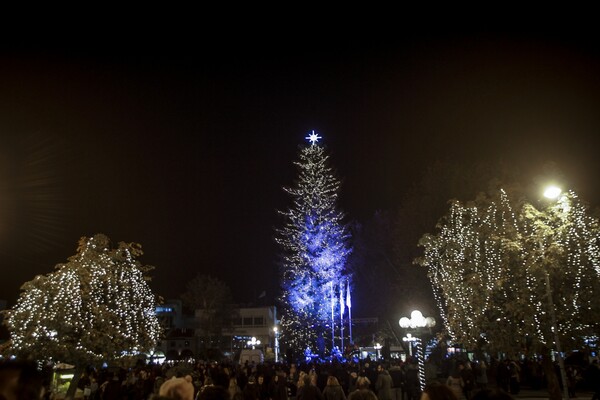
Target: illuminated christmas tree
314	248
95	308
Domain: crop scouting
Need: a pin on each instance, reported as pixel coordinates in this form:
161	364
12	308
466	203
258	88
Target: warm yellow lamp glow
552	192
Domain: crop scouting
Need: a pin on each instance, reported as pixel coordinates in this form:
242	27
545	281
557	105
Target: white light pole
276	343
553	192
378	347
416	321
409	338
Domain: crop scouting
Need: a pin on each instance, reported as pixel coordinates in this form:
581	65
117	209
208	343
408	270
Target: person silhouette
21	381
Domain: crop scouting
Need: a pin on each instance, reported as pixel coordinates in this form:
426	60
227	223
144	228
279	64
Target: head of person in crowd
362	382
301	377
492	394
178	388
20	381
364	394
306	379
214	393
437	391
332	381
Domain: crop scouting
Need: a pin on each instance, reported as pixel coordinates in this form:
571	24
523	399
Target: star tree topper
313	137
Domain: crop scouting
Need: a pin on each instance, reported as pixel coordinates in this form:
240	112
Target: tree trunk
73	385
554	392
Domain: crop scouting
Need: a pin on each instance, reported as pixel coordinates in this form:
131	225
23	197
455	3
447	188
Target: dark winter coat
309	392
332	392
411	381
278	389
362	394
383	386
468	378
112	390
397	376
251	391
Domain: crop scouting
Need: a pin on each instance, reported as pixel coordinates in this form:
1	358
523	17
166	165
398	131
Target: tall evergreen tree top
316	190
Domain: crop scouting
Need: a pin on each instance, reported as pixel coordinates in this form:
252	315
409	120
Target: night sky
185	149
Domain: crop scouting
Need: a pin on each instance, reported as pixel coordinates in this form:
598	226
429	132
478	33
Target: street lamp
416	321
276	343
377	347
253	342
552	192
409	338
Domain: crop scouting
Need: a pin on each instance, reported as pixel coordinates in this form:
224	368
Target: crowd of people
458	379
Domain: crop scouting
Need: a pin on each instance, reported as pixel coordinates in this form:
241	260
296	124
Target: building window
237	321
259	321
247	321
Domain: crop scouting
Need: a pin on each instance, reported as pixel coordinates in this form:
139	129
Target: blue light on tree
314	248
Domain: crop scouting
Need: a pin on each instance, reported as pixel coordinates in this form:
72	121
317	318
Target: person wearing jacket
383	384
333	390
397	375
308	390
362	391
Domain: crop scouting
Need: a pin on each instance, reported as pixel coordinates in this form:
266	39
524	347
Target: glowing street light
416	321
552	192
253	342
378	348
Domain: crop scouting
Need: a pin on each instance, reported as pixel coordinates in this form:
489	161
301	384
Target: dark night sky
185	149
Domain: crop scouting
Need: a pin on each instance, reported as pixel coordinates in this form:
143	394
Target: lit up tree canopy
314	248
96	307
489	263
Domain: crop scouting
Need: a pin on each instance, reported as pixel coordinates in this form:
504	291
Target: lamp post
552	192
409	338
416	321
276	343
253	342
378	348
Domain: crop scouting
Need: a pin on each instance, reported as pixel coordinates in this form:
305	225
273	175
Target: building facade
252	322
183	339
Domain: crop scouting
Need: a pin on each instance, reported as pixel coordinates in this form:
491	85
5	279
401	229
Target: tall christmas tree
314	247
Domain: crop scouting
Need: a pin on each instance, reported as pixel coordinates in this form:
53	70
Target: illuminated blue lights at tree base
314	248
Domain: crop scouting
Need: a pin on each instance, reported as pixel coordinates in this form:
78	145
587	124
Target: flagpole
350	324
332	318
342	305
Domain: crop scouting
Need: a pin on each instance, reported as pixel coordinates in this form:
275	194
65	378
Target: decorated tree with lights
497	262
314	248
95	308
